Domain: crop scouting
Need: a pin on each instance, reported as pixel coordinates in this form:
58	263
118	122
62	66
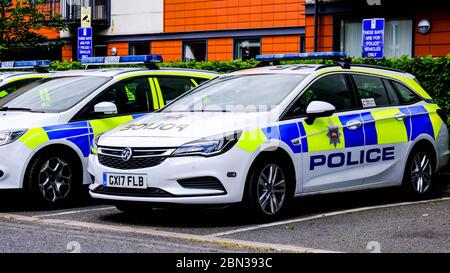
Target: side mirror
318	109
107	108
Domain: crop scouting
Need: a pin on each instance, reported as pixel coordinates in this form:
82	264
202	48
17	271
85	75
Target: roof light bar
122	60
15	65
301	56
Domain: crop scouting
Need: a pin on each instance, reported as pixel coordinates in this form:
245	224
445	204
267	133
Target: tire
267	196
54	178
419	178
133	208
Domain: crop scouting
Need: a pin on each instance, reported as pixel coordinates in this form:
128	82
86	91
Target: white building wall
135	17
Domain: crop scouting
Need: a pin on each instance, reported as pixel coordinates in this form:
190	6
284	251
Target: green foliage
218	66
65	65
432	73
19	23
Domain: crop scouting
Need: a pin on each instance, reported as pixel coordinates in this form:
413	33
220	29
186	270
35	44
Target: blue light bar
300	56
118	60
24	64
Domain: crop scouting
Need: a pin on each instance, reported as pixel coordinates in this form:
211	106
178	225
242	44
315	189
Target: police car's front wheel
54	178
270	187
418	180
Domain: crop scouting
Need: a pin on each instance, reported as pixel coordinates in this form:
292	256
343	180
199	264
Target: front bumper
163	179
13	159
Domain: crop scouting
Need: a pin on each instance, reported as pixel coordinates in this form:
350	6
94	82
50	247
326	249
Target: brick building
230	29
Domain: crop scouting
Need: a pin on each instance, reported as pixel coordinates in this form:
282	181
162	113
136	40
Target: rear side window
392	93
371	91
407	96
200	80
173	87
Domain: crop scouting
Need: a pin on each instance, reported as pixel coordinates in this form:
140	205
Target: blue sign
84	42
373	38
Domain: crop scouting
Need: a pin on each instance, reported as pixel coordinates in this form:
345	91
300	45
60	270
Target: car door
387	127
330	146
168	88
132	98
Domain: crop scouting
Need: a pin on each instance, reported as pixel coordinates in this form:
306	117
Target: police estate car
265	135
47	128
12	79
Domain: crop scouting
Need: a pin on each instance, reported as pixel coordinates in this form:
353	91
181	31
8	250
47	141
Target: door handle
296	142
401	116
353	124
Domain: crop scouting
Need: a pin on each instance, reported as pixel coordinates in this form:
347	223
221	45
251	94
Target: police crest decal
333	134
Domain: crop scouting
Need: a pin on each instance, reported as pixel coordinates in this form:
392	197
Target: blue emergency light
122	60
14	65
301	56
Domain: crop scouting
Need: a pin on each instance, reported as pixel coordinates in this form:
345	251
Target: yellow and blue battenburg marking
379	128
79	133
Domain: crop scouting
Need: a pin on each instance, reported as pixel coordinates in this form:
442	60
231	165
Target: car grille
149	192
206	183
141	158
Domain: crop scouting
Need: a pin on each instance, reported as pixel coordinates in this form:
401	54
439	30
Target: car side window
332	89
407	96
371	91
13	86
172	87
200	80
392	93
130	96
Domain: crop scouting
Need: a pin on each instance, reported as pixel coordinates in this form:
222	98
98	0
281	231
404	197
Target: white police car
265	135
15	75
47	127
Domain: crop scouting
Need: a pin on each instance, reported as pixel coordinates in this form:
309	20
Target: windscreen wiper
4	109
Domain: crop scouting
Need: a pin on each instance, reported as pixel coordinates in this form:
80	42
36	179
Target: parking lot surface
367	221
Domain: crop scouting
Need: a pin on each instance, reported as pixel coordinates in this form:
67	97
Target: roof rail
362	65
275	59
379	67
41	66
149	61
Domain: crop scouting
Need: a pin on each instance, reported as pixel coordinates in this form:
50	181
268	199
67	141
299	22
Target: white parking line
224	242
298	220
72	212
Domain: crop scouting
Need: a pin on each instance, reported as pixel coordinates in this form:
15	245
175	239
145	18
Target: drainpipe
316	22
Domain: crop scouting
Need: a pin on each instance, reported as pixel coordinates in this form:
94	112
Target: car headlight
209	146
94	150
7	137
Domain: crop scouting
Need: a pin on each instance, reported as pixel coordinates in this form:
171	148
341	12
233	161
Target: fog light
231	174
1	173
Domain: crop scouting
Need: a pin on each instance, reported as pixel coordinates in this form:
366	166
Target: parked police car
15	74
47	128
265	135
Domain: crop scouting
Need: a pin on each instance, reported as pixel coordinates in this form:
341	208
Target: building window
397	38
139	48
100	50
302	44
194	51
247	48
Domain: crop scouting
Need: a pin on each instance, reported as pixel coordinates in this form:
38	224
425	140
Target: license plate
129	181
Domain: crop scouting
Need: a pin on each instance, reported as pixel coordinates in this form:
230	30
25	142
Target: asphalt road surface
366	221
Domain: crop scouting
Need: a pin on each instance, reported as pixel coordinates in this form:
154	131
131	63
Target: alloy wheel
55	179
271	189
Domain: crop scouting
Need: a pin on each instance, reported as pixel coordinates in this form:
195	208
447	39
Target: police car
47	128
265	135
14	74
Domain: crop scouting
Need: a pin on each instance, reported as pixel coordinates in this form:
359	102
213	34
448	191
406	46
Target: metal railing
101	10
